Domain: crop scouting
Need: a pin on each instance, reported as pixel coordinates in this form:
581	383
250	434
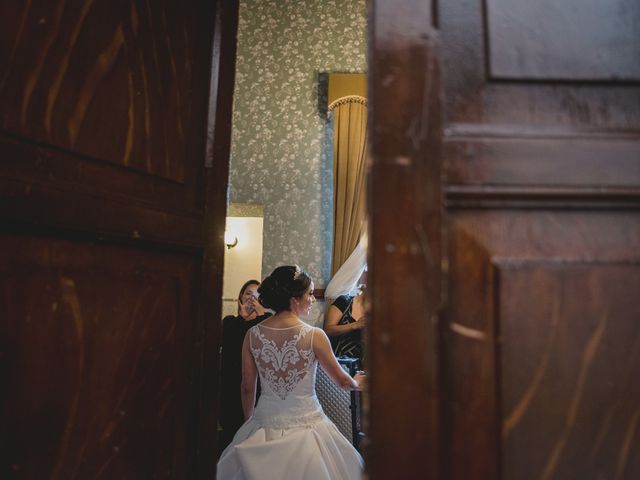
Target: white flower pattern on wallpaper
279	154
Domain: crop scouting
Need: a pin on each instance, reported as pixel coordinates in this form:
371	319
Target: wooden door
529	369
405	247
111	252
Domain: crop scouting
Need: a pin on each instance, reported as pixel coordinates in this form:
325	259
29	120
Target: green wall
280	153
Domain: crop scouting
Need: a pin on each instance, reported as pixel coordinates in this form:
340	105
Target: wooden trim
459	130
404	257
541	166
492	196
29	205
216	184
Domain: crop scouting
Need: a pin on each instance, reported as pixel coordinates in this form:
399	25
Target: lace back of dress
283	356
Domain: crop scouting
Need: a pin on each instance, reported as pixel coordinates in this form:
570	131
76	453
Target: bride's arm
328	362
249	379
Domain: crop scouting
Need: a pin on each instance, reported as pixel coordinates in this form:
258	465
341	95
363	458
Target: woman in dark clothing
234	328
343	323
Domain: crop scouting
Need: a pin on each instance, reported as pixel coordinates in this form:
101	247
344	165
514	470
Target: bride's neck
286	315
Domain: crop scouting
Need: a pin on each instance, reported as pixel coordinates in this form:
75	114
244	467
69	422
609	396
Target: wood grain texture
403	285
543	193
217	174
472	97
571	363
128	67
108	98
95	360
567	159
109	266
539	335
571	40
30	205
541	344
533	138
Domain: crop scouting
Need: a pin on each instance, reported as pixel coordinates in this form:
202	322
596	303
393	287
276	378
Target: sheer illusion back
285	359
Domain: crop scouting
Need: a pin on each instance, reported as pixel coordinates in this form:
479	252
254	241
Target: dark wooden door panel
534	132
108	94
405	247
541	98
27	163
539	335
542	179
110	268
145	52
570	401
528	40
96	360
552	159
542	344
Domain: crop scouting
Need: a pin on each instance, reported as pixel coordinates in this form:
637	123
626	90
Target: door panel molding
509	270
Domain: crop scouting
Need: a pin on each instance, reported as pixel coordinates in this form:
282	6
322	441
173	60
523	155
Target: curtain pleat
349	191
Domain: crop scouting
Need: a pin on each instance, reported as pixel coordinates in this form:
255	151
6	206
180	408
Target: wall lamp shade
230	239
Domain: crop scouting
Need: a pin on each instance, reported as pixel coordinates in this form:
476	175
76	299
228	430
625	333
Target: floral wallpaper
280	152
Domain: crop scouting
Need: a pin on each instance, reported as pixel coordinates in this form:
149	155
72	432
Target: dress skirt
314	451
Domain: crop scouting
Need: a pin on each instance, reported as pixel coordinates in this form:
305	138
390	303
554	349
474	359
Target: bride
287	435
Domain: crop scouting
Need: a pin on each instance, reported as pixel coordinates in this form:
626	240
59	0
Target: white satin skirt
311	450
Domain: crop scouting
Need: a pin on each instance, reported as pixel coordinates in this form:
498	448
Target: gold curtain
349	147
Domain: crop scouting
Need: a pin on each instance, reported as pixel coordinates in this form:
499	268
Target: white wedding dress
288	436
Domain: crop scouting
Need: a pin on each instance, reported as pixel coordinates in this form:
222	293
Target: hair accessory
297	273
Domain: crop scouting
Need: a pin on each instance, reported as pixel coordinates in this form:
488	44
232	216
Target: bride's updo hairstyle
284	283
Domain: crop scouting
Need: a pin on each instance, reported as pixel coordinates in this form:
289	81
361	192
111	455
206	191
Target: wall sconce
230	239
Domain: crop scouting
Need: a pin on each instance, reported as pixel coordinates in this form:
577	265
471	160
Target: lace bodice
288	435
284	357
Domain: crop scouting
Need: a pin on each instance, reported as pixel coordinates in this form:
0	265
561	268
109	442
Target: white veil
344	282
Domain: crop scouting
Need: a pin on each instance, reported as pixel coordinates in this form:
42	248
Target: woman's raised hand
257	306
247	311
